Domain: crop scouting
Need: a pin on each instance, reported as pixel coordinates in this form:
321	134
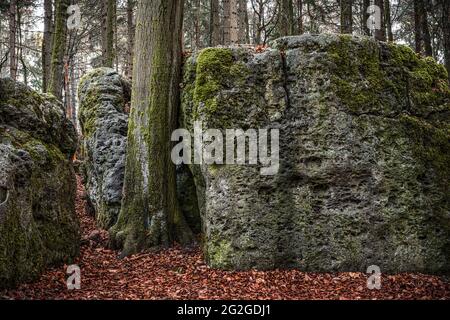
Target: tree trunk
20	50
425	30
286	18
58	49
230	25
150	216
47	43
197	23
243	21
109	18
445	23
346	16
12	39
300	16
380	34
214	24
388	18
130	32
417	27
365	17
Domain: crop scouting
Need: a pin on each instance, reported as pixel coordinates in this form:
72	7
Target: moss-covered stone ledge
38	225
364	147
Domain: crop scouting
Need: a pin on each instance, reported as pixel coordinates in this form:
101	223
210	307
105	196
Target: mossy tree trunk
58	48
346	16
150	216
109	18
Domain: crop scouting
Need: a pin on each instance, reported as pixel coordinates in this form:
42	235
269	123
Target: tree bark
346	16
365	17
58	49
387	6
130	33
230	25
150	216
12	39
47	43
286	18
243	21
380	34
417	27
300	16
214	24
445	25
425	30
109	18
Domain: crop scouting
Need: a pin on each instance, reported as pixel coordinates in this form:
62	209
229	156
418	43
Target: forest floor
182	274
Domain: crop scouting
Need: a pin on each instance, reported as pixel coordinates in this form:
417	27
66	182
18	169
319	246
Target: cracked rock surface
364	156
103	97
38	225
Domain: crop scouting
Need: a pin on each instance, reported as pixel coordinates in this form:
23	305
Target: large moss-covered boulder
364	156
103	96
38	225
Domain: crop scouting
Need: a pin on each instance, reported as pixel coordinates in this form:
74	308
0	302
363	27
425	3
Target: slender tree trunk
67	100
230	32
387	6
58	49
417	27
300	16
445	24
286	18
243	21
12	39
73	91
380	34
150	216
20	49
365	17
47	43
130	34
425	30
109	18
346	16
197	23
214	24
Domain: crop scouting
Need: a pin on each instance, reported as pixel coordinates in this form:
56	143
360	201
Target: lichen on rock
364	154
38	225
103	98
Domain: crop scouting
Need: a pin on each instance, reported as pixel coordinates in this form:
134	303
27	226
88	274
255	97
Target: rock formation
38	226
364	156
103	96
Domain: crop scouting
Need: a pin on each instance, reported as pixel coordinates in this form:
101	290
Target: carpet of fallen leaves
182	274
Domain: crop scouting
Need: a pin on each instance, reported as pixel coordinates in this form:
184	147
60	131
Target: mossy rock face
103	97
38	224
364	156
